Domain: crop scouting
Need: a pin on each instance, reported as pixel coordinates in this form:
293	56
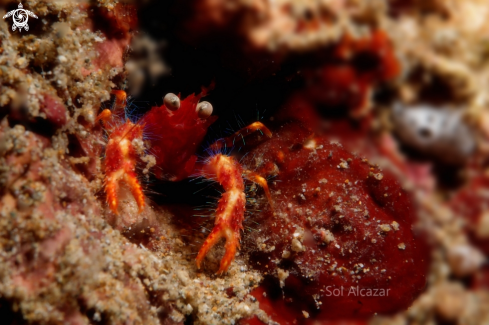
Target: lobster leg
136	189
229	141
229	219
111	189
119	167
255	178
231	207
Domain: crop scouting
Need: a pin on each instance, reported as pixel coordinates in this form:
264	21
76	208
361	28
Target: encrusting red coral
353	68
471	204
118	22
117	25
54	109
357	136
340	240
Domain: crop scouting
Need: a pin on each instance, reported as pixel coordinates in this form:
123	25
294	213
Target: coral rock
322	189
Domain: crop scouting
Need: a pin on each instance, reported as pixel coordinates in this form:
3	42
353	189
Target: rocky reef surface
369	182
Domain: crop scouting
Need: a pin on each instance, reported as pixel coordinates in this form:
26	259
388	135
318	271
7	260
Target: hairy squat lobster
177	128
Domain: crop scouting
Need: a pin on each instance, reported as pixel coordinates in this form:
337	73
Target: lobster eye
171	101
204	109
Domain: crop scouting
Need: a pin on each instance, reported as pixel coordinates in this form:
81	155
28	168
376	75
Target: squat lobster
181	126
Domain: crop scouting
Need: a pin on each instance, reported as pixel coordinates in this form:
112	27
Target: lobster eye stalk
171	101
204	109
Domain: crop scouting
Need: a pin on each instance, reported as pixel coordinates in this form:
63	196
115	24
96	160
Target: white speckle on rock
183	277
395	225
282	275
385	227
464	259
297	246
327	236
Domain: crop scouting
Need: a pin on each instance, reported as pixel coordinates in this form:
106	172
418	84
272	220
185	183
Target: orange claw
120	99
120	162
120	154
136	189
112	186
229	141
229	217
231	207
105	116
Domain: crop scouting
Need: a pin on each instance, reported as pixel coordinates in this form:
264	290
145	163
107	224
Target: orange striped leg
120	103
229	218
136	189
112	188
120	98
229	141
104	116
230	208
255	178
